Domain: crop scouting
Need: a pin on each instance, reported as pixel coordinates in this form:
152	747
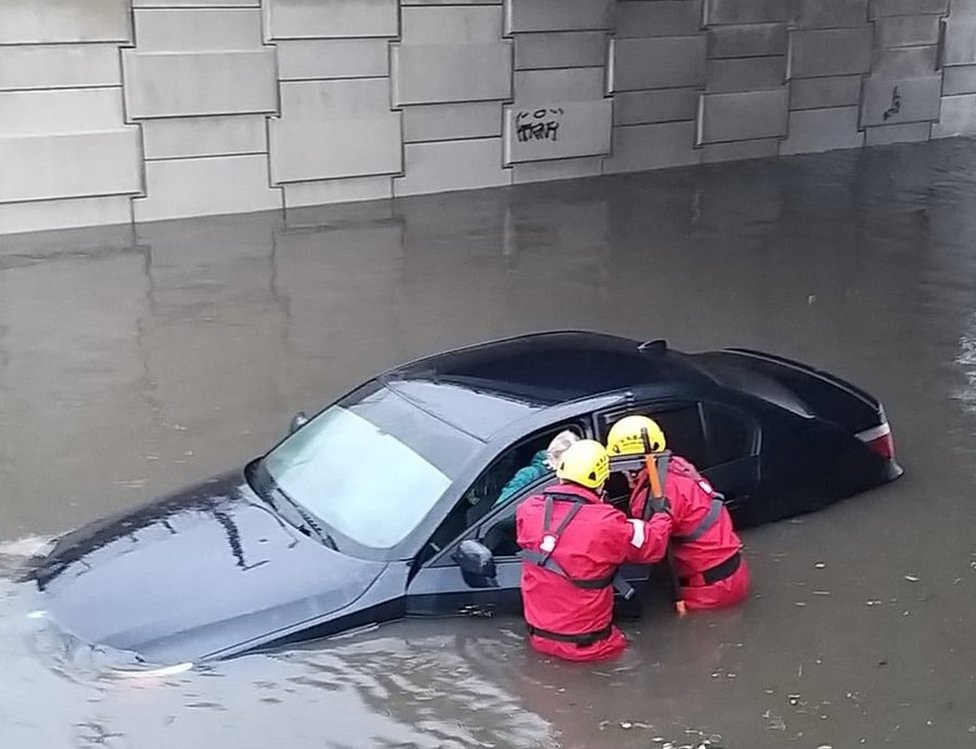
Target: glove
659	505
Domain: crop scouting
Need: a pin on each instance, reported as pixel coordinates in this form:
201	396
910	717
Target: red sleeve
635	541
653	536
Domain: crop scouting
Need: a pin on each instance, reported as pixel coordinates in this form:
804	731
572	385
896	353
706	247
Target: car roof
484	388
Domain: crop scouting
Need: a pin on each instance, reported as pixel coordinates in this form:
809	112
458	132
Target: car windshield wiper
305	522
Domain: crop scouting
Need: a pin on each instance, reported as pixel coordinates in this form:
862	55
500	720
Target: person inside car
707	553
572	547
542	463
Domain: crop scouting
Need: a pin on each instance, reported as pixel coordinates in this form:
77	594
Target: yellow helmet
627	436
586	463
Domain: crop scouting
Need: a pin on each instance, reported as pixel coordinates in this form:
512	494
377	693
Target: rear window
731	435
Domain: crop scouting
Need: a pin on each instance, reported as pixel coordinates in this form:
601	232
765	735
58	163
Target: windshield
367	467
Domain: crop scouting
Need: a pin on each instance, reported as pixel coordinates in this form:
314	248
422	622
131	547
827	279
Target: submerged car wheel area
366	512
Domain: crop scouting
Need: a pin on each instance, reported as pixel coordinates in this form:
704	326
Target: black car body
356	517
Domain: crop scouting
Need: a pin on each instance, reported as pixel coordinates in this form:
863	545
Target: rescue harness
544	559
550	538
653	505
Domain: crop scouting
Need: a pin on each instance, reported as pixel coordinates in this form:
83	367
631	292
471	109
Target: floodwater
136	361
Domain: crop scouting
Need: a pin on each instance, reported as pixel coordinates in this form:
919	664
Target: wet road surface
136	361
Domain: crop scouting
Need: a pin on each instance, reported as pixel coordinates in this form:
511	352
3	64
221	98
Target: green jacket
525	476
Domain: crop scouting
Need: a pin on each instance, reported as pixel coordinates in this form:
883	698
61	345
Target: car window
731	434
500	484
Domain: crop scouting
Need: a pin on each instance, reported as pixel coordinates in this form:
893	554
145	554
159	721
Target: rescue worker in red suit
707	553
573	544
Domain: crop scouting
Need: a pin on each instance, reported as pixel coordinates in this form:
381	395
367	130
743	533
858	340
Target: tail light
880	440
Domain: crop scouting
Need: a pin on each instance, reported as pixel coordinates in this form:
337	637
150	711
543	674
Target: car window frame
583	423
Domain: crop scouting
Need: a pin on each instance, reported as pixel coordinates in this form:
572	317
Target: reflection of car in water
356	517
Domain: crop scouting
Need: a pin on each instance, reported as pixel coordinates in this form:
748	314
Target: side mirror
477	564
297	422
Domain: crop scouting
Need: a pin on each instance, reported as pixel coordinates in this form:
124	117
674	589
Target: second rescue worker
707	552
573	545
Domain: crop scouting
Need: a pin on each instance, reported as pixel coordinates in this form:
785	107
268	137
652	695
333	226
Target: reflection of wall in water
284	103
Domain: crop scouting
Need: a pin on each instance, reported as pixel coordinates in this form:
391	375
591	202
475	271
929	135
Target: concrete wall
120	110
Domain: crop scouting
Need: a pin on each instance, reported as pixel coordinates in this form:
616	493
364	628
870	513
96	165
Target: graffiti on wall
538	124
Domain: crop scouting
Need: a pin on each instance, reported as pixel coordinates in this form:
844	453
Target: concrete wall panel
830	52
435	73
819	93
719	12
204	136
195	3
303	59
332	19
197	29
569	49
958	117
959	80
231	82
640	147
752	40
333	129
914	132
547	130
557	15
749	115
659	18
960	43
572	84
894	102
64	214
663	105
452	25
452	121
59	66
452	165
658	63
881	8
301	194
832	14
815	130
962	9
907	62
64	21
548	171
743	149
906	31
64	111
202	187
746	74
69	165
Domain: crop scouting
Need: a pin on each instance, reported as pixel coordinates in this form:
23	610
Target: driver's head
585	463
560	444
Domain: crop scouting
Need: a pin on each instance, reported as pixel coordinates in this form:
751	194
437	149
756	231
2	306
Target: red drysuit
568	603
705	547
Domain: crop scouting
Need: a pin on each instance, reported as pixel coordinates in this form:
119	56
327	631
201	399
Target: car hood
207	570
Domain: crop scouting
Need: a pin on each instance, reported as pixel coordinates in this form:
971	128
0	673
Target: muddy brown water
136	361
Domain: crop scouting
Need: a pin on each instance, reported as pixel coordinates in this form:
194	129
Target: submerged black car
357	516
